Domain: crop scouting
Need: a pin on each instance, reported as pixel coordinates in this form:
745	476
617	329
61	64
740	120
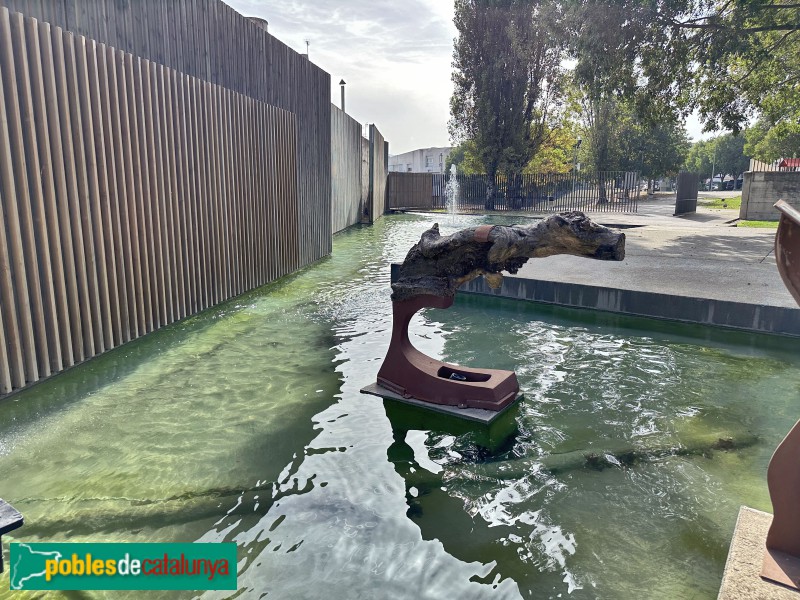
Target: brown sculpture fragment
782	557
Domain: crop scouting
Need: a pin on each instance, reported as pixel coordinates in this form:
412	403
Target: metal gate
606	191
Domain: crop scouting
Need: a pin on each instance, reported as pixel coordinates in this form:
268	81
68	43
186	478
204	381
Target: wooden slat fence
761	166
131	196
608	191
345	170
415	190
378	169
209	40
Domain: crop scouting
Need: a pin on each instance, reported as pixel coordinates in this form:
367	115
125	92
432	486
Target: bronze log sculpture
430	276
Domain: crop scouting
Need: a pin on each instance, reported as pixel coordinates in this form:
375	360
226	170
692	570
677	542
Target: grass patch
735	202
761	224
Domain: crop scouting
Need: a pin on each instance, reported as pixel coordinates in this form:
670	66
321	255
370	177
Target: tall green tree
730	59
507	81
631	144
719	156
769	142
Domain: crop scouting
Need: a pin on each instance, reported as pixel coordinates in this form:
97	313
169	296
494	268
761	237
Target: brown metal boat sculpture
782	556
430	276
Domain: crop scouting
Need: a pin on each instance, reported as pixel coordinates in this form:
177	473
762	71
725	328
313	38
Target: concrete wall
761	190
345	170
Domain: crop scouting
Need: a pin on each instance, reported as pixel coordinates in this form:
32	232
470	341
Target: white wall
424	160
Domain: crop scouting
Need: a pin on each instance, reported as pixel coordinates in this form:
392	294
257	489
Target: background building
424	160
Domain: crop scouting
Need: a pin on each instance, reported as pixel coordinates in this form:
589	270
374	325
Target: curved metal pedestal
412	374
782	558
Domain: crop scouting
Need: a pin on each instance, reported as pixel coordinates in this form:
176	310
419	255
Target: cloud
394	56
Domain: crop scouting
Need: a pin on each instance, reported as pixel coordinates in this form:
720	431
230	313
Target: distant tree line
533	77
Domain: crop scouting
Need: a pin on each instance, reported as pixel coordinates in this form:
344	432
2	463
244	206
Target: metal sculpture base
411	374
10	519
782	557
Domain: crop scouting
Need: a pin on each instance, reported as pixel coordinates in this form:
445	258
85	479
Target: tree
700	158
465	157
556	154
730	59
723	154
731	159
507	82
618	140
768	143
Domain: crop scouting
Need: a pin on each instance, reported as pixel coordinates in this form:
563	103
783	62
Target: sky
395	58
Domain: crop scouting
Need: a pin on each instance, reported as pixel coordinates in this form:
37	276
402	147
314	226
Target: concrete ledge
719	313
741	579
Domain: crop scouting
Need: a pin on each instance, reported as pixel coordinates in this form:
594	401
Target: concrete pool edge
742	579
688	309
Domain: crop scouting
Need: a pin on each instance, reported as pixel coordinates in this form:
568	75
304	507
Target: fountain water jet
451	194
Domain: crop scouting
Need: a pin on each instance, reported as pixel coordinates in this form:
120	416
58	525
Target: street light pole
575	163
713	167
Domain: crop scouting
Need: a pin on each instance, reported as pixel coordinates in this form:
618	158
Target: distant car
656	186
729	185
739	183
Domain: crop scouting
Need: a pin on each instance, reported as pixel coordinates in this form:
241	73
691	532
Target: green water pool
246	424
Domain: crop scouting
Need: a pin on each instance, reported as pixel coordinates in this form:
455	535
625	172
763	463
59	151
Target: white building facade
424	160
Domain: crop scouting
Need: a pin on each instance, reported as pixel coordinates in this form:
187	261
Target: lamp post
713	166
342	84
575	163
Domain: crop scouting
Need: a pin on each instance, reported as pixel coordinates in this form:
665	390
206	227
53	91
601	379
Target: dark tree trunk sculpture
430	276
437	265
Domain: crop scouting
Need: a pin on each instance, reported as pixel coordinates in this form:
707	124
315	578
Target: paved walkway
695	268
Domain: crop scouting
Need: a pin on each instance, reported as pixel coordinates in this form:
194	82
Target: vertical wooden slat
199	142
18	218
159	255
275	222
142	187
57	270
237	174
124	249
248	193
226	196
75	221
92	198
187	273
189	278
11	350
215	161
206	154
237	281
86	256
163	160
104	173
185	188
49	353
170	122
61	216
124	72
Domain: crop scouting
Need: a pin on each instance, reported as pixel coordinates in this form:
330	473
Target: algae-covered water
246	424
